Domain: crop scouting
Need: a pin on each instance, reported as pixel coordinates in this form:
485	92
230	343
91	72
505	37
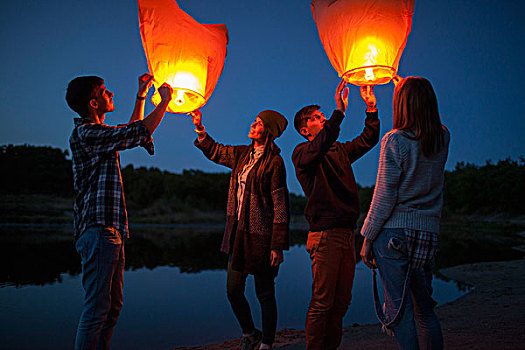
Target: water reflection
42	254
173	309
39	255
36	255
174	288
191	249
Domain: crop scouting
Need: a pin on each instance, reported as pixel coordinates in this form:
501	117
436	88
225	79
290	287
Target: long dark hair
270	148
416	111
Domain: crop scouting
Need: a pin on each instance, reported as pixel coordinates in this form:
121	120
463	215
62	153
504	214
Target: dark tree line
31	169
488	189
175	192
469	189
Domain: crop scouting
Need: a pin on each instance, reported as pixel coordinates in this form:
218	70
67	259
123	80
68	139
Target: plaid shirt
96	172
422	247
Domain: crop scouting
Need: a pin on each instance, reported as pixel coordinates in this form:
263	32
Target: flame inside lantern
188	89
370	57
373	68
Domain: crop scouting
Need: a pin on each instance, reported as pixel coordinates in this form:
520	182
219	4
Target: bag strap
388	325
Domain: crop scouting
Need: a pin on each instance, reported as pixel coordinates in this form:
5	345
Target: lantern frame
357	76
192	100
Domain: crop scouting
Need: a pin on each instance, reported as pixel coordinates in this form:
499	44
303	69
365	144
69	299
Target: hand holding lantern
367	94
145	82
196	118
165	91
341	96
397	79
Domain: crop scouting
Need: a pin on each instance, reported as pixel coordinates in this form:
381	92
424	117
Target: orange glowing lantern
364	39
181	52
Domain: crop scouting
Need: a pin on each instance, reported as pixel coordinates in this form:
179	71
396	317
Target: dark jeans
265	291
102	252
333	268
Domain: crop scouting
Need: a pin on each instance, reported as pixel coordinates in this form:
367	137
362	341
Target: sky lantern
182	52
364	39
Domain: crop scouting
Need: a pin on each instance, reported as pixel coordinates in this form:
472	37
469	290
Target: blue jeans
391	255
102	252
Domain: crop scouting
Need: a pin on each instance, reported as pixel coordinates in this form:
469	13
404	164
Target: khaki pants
333	267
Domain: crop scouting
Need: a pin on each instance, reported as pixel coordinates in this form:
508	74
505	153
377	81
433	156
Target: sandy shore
491	316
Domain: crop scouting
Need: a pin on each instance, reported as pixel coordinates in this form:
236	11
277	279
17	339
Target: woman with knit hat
257	223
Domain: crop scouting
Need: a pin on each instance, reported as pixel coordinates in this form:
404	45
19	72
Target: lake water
174	292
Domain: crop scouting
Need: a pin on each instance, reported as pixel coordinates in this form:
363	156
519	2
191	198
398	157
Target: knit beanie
274	121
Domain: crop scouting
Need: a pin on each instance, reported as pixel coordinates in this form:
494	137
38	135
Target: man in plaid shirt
100	214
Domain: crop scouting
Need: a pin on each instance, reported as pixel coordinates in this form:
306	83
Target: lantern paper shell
364	39
181	52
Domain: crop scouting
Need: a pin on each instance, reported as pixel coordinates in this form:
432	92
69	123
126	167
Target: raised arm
196	118
369	137
341	96
312	152
153	119
308	154
216	152
145	81
101	138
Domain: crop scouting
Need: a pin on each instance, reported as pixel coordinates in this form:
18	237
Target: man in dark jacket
323	167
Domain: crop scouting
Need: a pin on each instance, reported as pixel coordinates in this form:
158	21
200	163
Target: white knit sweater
409	187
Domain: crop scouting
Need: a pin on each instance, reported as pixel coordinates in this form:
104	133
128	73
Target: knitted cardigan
265	214
409	186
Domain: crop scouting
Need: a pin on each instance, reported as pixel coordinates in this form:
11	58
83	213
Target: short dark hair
303	115
80	91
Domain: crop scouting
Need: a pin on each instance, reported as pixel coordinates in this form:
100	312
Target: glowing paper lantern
364	39
181	52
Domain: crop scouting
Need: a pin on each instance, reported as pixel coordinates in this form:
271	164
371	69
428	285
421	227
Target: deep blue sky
471	50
